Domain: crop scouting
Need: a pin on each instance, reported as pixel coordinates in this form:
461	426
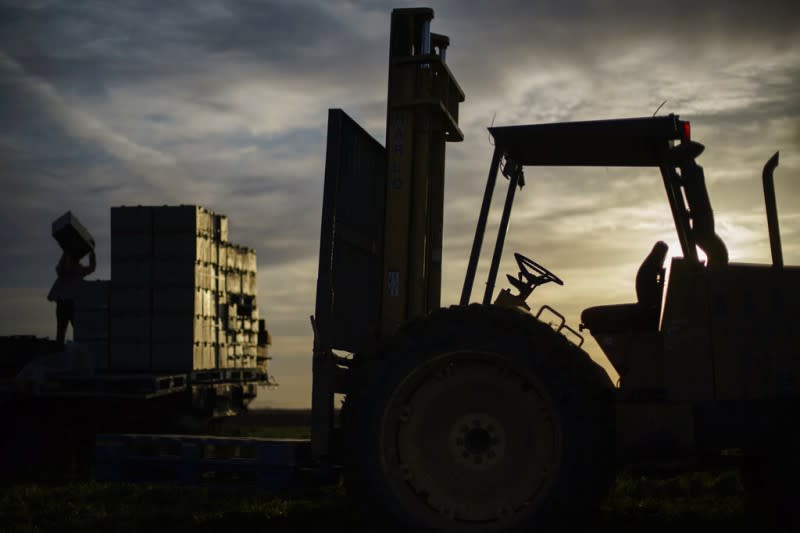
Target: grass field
690	502
695	501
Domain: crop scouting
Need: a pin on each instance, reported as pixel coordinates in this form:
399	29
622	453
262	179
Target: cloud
224	103
75	121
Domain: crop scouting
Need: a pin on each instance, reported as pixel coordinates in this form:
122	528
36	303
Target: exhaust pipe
772	211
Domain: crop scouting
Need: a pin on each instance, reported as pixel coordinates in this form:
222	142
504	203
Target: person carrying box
75	242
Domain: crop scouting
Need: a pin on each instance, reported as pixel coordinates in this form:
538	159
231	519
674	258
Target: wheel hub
469	438
477	441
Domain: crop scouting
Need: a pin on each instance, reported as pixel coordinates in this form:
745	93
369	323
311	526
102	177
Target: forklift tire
480	418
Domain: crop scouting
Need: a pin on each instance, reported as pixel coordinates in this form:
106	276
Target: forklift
486	416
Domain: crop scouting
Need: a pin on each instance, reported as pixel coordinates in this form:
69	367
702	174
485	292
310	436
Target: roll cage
662	142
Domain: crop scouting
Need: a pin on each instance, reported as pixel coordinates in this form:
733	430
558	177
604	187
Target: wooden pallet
113	385
230	375
271	464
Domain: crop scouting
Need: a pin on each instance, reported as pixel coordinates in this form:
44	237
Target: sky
223	103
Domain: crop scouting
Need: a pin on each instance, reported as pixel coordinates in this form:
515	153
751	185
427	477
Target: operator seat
644	314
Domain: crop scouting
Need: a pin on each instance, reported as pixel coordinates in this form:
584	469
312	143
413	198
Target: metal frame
640	142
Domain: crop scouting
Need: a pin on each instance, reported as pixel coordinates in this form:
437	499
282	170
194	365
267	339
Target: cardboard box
73	238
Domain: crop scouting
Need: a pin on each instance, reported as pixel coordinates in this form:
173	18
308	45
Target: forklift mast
382	214
421	115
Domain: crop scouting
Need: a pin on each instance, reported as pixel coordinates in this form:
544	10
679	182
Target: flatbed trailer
21	378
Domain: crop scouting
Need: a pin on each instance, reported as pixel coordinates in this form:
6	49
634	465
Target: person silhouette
70	273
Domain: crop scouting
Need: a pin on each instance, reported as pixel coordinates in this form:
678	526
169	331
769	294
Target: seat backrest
650	277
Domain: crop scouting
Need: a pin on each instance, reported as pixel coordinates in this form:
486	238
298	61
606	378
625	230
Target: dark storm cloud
79	43
588	26
274	31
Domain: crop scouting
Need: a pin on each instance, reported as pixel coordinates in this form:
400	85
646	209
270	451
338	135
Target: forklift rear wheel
482	418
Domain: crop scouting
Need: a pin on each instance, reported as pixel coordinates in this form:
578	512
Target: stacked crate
90	323
239	310
170	301
131	288
184	332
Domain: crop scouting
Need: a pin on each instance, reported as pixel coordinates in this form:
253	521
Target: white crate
233	281
204	330
197	357
203	249
130	299
209	356
250	263
209	301
212	252
220	354
213	330
222	228
129	356
239	257
202	279
222	255
249	283
206	276
230	255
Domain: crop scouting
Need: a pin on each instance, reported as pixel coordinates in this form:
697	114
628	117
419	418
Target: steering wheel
533	273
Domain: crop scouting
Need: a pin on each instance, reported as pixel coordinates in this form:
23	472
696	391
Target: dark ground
61	497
